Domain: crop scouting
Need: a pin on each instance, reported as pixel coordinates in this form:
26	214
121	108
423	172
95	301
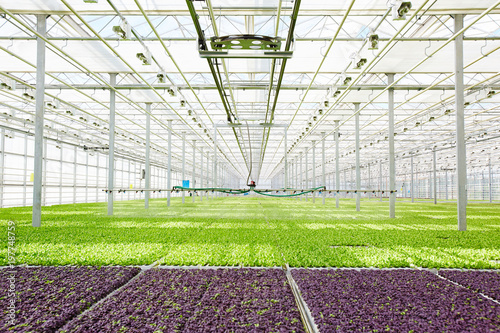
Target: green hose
261	192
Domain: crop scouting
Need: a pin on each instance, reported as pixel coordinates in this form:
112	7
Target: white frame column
148	148
169	162
392	161
358	167
460	125
323	169
337	163
41	27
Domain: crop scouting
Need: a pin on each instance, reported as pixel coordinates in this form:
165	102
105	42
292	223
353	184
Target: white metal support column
412	183
358	167
337	164
169	162
490	181
208	173
314	170
74	175
201	170
193	177
2	166
434	176
148	148
446	183
323	168
392	161
25	172
111	156
214	175
60	172
39	111
460	125
97	173
286	161
301	176
307	170
380	179
183	164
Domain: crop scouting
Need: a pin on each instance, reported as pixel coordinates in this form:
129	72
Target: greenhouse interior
250	166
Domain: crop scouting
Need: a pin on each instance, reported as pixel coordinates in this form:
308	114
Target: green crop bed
257	232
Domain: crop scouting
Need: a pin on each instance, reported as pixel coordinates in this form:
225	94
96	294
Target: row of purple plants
393	300
197	300
484	282
48	297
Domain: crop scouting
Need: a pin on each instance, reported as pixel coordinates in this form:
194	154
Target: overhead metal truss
308	92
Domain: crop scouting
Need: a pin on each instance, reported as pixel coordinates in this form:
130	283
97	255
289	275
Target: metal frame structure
407	107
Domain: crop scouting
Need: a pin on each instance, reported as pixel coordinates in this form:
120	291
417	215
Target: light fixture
51	105
145	57
183	103
373	40
9	112
320	111
172	91
400	9
190	112
336	93
124	30
6	85
28	96
161	77
448	111
490	94
326	103
345	79
358	62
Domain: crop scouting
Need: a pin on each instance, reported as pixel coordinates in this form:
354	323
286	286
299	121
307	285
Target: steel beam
148	148
323	164
392	161
306	153
460	125
169	162
380	179
193	177
358	163
337	163
286	160
412	184
111	156
39	112
261	86
201	170
314	169
434	176
183	164
215	158
490	181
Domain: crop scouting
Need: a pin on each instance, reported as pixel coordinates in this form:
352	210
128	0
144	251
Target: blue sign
185	183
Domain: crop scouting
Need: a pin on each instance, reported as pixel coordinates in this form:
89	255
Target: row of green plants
250	231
